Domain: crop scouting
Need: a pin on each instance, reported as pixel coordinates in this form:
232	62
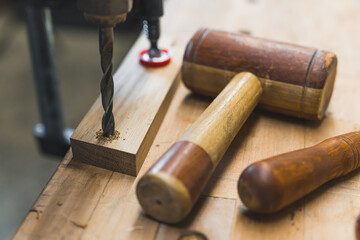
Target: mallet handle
172	186
271	184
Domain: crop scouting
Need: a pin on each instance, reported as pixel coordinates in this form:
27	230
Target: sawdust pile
101	137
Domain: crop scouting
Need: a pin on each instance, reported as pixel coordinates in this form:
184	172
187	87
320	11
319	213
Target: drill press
106	13
52	135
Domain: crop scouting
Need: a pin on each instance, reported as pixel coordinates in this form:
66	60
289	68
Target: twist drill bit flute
106	13
106	42
152	30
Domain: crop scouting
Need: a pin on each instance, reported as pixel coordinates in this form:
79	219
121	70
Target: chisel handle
168	191
271	184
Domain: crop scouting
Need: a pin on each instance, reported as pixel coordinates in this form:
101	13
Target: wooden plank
69	197
141	99
209	219
328	213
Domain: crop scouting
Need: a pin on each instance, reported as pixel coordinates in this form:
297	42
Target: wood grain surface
239	52
86	202
217	126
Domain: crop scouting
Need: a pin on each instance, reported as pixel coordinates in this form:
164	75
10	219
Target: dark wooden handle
271	184
171	187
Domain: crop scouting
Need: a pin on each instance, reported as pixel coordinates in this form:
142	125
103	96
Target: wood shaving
38	212
135	228
101	137
78	224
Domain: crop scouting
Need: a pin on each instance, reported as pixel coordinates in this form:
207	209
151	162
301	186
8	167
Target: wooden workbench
86	202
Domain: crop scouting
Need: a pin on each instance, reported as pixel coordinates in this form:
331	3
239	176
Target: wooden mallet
285	78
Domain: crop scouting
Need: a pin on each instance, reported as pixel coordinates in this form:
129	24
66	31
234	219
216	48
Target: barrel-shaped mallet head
297	81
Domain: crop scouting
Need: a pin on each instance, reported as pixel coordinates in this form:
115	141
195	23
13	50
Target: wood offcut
141	99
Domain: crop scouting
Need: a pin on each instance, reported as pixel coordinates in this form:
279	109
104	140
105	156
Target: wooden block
141	99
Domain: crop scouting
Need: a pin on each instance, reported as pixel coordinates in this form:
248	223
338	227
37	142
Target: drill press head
106	13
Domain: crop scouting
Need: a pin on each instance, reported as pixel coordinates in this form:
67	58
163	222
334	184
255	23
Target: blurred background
24	170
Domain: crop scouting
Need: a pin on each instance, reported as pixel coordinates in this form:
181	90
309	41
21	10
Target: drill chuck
105	7
150	8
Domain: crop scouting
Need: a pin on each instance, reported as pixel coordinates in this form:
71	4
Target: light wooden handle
271	184
172	186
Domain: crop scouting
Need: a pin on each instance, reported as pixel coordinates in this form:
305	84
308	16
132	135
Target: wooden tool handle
271	184
172	186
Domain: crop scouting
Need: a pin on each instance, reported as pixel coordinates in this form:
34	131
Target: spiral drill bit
106	41
151	11
106	14
152	30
